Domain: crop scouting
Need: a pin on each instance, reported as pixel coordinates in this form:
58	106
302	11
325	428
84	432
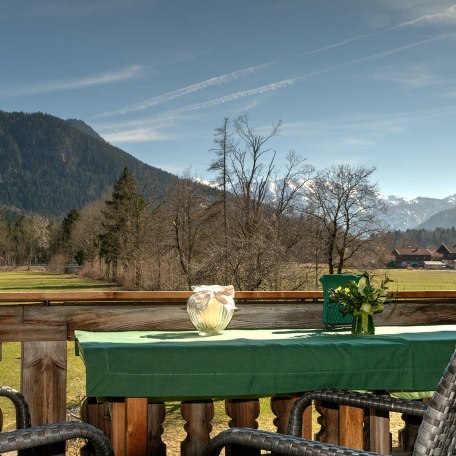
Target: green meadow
46	281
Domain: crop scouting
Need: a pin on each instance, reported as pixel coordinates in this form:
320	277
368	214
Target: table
180	365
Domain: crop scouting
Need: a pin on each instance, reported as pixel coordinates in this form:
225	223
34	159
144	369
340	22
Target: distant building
448	254
415	256
435	265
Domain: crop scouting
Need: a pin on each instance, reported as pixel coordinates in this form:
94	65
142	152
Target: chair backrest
22	409
437	432
331	314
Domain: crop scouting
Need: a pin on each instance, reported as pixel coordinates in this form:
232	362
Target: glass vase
211	308
363	324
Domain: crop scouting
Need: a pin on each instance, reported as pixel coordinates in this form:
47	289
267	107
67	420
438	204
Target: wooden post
136	426
156	417
328	421
351	427
43	384
99	416
281	407
129	427
198	417
379	435
243	413
118	427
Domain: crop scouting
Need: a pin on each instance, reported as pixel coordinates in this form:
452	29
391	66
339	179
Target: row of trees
424	238
263	227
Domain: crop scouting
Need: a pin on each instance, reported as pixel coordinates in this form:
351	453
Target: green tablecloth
180	365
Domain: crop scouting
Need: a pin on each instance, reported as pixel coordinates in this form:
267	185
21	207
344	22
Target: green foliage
49	165
361	296
124	221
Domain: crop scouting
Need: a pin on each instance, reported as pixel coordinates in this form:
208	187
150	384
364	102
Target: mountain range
421	212
49	166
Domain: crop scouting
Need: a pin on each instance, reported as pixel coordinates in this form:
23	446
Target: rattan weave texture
362	400
436	435
20	404
26	437
57	432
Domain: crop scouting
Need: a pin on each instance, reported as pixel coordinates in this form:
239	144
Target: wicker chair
27	437
436	435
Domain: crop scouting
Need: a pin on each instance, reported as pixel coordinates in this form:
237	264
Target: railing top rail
65	296
148	296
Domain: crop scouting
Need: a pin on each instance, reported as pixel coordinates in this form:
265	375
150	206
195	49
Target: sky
365	82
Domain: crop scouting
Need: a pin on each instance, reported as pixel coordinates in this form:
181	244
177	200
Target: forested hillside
424	238
49	165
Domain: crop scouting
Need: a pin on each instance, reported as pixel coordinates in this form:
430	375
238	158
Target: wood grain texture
379	432
43	384
58	321
328	421
351	427
136	426
198	417
243	413
118	429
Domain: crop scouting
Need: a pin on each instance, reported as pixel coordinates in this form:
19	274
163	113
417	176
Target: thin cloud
72	84
414	77
365	125
172	95
134	135
357	142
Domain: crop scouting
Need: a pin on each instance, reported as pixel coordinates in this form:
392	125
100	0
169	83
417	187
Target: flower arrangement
361	298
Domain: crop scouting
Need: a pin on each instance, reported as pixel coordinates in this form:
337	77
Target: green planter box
331	314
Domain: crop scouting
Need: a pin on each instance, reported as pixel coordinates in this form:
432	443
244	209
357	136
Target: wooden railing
44	322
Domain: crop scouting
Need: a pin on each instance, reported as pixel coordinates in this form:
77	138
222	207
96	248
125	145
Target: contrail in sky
445	15
215	81
271	87
236	75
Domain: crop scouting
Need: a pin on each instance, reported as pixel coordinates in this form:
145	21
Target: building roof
415	251
447	249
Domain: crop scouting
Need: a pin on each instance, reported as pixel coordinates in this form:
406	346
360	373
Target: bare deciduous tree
32	237
190	213
261	204
346	206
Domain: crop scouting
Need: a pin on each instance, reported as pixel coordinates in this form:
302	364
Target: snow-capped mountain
406	213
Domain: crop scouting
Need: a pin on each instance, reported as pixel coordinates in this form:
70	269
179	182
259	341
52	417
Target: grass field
174	433
46	281
419	279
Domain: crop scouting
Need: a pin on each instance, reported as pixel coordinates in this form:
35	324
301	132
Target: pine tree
123	227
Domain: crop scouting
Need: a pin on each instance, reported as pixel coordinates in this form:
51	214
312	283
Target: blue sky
365	81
